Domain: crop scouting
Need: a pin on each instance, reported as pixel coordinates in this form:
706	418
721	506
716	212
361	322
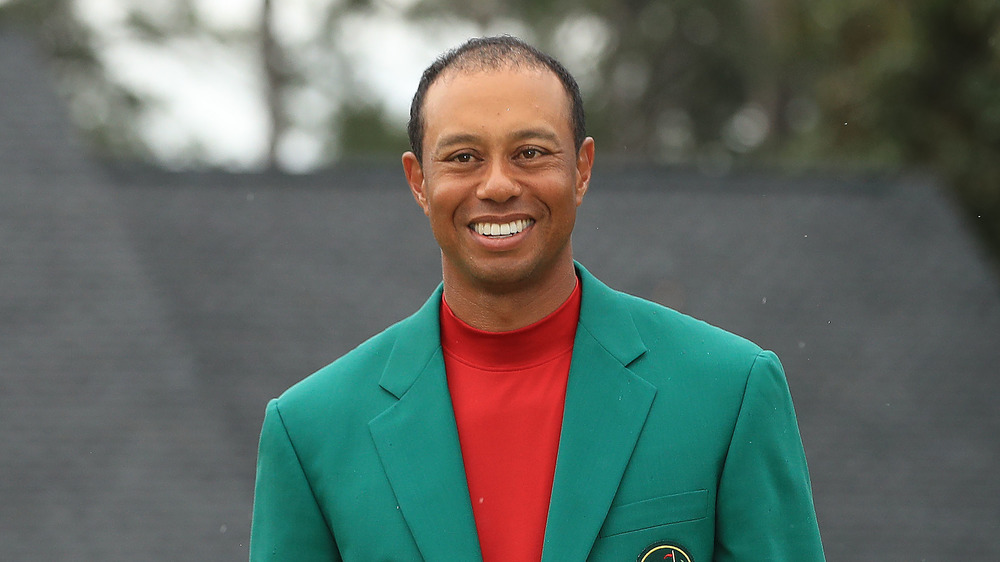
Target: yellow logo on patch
662	551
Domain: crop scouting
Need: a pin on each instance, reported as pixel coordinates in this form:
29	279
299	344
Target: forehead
496	94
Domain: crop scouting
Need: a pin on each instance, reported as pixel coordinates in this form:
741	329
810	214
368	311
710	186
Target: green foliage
911	85
364	131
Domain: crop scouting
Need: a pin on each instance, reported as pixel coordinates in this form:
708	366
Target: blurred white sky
210	95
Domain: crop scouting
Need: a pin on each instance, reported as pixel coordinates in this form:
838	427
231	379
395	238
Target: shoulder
661	327
616	316
355	369
687	356
704	376
662	343
355	377
347	385
349	391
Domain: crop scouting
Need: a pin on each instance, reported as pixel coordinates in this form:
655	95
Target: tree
905	84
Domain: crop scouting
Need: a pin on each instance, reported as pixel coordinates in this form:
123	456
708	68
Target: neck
501	309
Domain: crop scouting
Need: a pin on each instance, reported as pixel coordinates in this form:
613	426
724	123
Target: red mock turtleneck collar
517	349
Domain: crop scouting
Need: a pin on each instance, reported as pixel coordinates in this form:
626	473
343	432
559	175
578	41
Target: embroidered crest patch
664	551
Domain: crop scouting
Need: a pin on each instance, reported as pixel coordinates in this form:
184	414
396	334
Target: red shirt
508	390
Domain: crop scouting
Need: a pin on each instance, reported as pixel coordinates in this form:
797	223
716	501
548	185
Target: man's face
500	179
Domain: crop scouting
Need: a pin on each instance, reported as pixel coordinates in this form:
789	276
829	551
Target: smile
501	229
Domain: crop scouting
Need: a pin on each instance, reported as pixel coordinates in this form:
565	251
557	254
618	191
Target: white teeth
505	229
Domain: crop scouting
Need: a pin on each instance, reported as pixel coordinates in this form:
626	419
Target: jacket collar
606	407
602	314
417	343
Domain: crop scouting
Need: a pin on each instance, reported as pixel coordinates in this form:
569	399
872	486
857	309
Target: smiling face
500	179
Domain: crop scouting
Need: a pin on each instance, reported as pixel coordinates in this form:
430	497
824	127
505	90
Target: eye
530	153
463	157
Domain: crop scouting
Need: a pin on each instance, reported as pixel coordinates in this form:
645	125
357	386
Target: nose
498	186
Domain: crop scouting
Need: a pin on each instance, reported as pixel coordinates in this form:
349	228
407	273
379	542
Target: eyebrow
469	138
543	134
460	138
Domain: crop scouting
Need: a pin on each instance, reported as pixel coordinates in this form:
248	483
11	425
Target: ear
584	164
415	178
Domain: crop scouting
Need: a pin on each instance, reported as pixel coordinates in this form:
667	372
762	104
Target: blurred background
298	84
201	204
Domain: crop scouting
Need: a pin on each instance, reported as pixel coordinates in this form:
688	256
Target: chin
512	276
495	277
504	278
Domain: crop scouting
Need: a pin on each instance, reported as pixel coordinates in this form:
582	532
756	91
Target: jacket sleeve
287	521
764	507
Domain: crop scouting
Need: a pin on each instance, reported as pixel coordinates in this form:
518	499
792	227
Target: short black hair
493	53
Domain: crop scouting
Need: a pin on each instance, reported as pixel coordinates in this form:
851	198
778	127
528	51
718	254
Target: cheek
441	210
564	195
444	199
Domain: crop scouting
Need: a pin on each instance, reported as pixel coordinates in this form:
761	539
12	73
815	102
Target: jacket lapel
606	407
417	442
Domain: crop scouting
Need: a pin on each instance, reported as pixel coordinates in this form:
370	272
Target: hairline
453	73
493	54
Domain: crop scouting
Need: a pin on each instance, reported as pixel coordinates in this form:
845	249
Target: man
527	411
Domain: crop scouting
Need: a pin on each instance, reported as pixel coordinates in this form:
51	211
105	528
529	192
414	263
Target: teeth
505	229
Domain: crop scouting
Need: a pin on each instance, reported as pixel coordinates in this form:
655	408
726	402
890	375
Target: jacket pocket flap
664	510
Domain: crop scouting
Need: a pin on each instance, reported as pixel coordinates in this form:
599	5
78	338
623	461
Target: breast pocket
656	512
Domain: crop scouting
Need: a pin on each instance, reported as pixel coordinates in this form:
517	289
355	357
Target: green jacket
674	431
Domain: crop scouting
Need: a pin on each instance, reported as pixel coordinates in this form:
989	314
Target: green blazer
674	431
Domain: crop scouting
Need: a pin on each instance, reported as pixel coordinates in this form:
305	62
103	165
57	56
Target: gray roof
112	450
146	317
